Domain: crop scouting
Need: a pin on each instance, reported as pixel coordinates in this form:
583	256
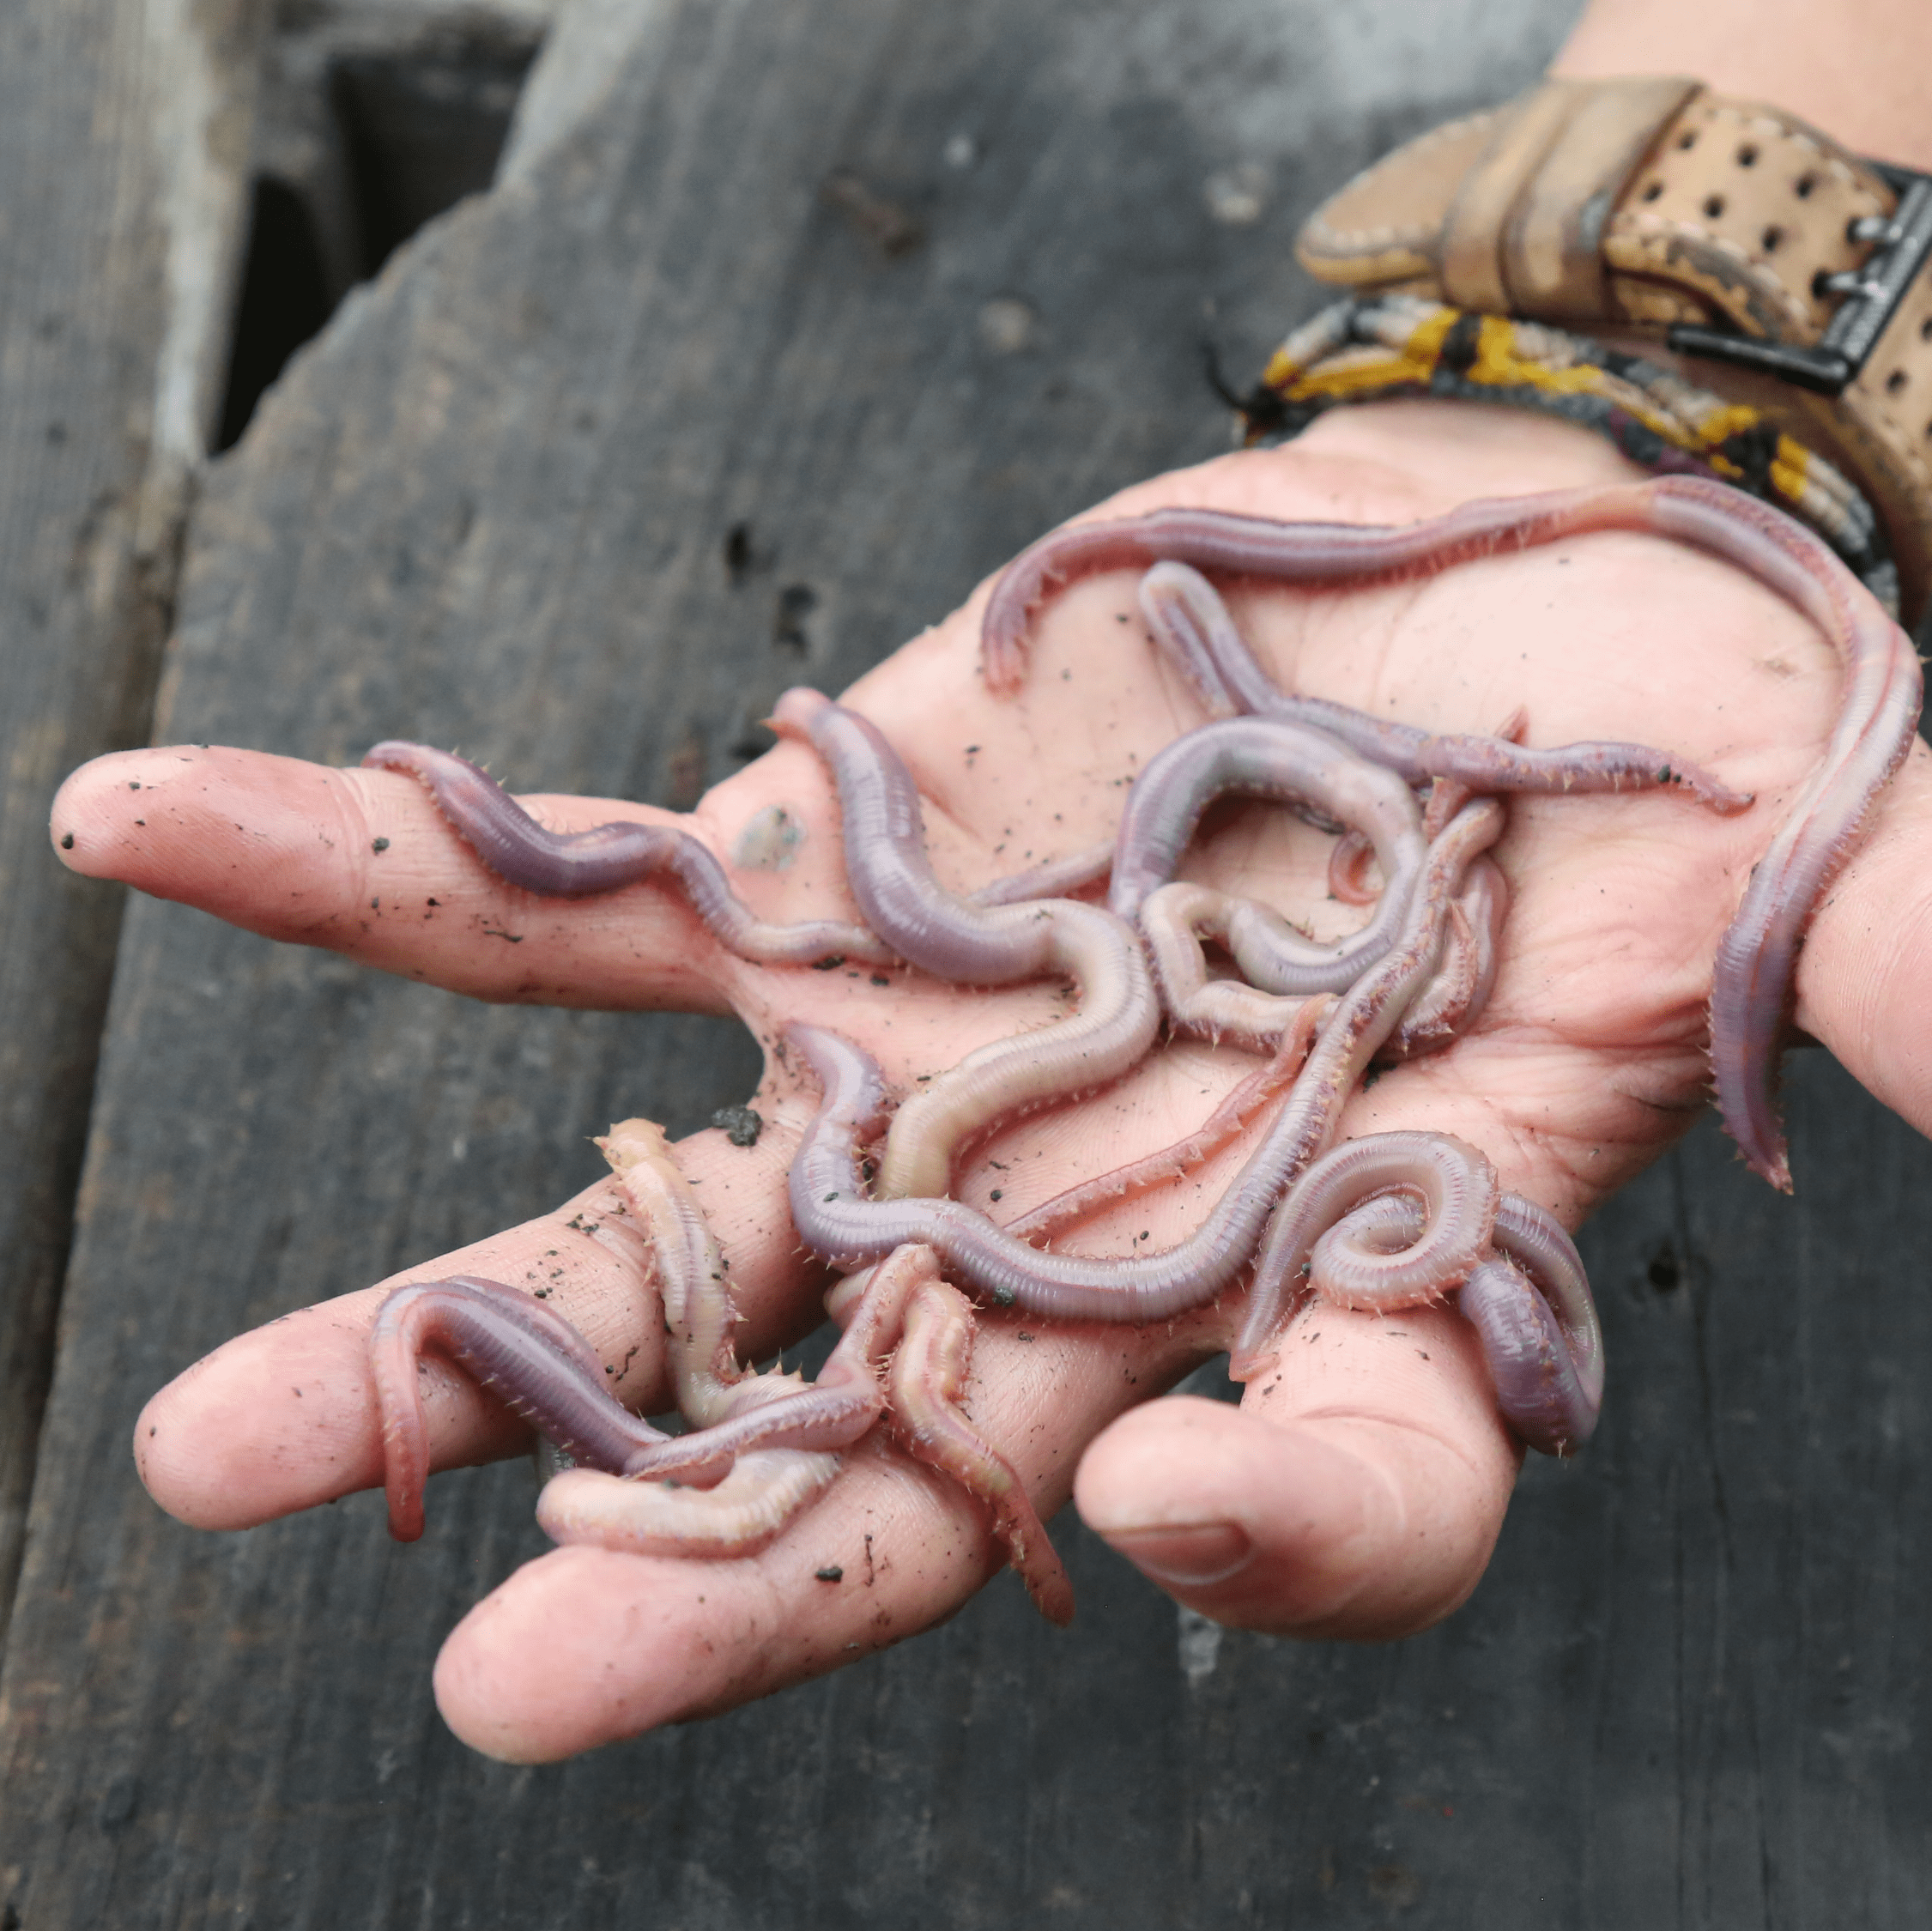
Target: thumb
1356	1492
1865	974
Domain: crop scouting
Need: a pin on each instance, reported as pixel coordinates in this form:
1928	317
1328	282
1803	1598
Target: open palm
1357	1490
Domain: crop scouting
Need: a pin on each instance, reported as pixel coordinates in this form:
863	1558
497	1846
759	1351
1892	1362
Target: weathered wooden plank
123	131
492	507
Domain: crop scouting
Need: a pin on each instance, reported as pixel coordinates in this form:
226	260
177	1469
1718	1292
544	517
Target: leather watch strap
1653	207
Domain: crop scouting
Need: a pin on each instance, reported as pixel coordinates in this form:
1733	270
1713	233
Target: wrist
1707	281
1860	82
1418	458
1387	462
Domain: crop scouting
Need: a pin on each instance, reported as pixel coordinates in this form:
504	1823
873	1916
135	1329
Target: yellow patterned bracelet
1374	347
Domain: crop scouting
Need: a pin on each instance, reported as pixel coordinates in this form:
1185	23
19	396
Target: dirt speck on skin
741	1125
769	841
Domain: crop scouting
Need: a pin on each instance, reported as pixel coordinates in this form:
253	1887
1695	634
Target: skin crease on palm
1357	1492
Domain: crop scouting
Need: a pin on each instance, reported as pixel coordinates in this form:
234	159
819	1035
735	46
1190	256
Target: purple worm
1177	605
1753	987
1754	980
1458	1189
580	864
1529	1302
1260	758
1193	627
892	880
835	1218
761	1463
507	1342
1054	878
1454	999
1531	1366
1175	918
886	862
530	1357
533	1360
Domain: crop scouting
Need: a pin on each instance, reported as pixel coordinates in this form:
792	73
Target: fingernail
1190	1553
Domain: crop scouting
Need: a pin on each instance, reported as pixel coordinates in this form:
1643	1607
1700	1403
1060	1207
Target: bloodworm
1175	918
765	1452
892	880
1176	603
835	1219
927	1378
733	1412
579	864
789	1419
743	1514
1081	1203
1454	1184
1753	982
535	1361
1056	878
1458	1190
1532	1367
1258	758
899	1318
689	1269
539	1366
1348	862
1530	1304
507	1342
1450	1004
1198	631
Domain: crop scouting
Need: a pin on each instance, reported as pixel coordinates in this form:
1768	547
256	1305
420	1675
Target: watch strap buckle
1872	294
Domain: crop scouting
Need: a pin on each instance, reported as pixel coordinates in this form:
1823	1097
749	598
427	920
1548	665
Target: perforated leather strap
1780	267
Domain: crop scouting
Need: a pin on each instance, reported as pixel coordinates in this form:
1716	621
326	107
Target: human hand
1365	1481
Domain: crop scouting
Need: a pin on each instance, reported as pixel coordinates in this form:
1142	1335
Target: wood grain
120	132
491	506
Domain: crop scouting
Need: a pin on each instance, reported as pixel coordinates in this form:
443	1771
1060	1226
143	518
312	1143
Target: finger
362	862
584	1646
286	1418
1357	1492
1865	972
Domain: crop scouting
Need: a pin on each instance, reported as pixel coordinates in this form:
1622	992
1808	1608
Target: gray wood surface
118	130
491	507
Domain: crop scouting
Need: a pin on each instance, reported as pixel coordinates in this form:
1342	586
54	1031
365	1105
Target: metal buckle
1872	294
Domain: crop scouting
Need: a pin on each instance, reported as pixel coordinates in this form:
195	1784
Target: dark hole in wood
418	133
796	601
284	301
1664	1272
